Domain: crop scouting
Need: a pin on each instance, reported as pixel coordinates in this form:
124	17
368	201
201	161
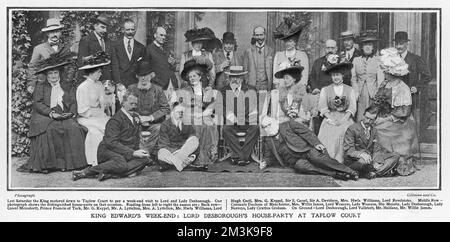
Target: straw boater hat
98	59
56	60
288	28
392	63
102	18
293	69
203	65
236	71
347	35
52	24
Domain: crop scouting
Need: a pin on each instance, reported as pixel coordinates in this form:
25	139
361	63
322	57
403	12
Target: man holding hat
240	112
419	74
226	57
96	41
152	106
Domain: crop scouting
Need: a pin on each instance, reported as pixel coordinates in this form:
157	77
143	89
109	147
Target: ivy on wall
21	99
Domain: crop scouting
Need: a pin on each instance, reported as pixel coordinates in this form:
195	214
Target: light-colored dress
295	103
366	78
336	100
283	58
92	116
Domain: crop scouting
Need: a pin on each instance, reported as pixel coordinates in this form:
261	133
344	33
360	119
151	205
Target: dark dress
55	145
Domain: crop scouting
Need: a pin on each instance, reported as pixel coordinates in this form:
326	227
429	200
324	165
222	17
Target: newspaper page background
242	202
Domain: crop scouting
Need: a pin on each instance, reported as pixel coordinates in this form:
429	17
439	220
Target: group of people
349	116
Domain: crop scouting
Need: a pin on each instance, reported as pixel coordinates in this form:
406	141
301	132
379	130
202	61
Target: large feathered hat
98	59
392	63
288	28
202	64
56	60
294	69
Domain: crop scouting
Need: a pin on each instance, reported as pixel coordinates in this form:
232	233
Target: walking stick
416	100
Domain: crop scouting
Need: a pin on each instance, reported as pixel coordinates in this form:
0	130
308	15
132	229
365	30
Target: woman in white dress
91	113
337	104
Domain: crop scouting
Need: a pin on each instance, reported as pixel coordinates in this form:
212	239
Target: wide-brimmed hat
294	69
98	59
368	36
347	35
52	24
102	18
56	60
202	64
392	63
339	67
205	34
401	36
236	71
288	28
143	68
228	37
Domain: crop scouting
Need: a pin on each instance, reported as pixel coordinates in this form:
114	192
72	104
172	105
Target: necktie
348	56
228	55
103	44
129	46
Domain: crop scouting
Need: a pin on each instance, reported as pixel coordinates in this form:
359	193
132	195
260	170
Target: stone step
428	148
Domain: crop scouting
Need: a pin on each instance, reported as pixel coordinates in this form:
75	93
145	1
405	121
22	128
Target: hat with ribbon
347	35
334	65
98	59
368	36
52	24
201	64
236	71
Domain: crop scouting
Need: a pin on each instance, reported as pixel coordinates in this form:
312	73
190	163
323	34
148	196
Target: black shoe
77	175
342	176
192	167
370	175
354	176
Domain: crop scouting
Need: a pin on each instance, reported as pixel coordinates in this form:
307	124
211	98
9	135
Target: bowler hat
103	19
52	24
401	36
228	37
143	68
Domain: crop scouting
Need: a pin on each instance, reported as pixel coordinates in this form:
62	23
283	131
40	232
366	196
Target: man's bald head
330	46
259	34
160	35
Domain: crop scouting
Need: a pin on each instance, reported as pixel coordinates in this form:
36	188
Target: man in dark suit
363	153
349	53
126	52
240	118
118	153
418	77
318	78
226	57
292	144
162	62
95	42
